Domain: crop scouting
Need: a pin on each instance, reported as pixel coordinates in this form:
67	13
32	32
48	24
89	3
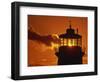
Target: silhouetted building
70	50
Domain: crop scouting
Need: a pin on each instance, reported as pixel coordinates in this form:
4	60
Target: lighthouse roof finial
70	24
77	30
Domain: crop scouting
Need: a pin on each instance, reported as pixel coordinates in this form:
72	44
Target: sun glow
55	36
70	44
55	45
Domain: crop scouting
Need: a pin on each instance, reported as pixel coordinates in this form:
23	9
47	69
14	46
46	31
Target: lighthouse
70	49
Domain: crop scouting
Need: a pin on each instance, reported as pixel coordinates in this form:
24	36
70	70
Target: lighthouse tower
70	49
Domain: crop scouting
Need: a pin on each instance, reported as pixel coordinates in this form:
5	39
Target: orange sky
47	25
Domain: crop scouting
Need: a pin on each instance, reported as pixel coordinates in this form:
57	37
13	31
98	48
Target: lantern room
70	38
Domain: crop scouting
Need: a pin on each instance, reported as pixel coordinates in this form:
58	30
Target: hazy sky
48	25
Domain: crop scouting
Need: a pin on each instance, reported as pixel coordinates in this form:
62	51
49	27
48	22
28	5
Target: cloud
47	40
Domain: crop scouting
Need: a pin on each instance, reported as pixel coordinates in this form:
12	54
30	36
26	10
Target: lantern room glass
70	42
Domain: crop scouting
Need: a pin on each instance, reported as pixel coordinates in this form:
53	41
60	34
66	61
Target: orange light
70	43
54	46
55	36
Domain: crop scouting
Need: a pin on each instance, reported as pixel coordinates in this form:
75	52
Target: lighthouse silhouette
70	49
